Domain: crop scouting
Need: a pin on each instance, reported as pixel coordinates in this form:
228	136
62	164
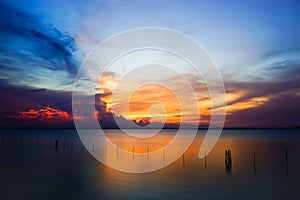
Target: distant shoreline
226	128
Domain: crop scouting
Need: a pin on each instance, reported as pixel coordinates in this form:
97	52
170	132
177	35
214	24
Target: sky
254	44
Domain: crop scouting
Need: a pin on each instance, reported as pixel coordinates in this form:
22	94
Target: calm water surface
31	168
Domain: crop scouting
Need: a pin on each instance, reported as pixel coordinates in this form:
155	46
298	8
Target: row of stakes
228	153
228	162
39	143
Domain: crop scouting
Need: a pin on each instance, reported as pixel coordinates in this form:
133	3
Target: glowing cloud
47	114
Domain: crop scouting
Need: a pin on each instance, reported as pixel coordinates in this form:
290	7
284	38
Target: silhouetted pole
56	144
164	156
286	162
254	163
228	162
133	148
183	160
205	161
148	153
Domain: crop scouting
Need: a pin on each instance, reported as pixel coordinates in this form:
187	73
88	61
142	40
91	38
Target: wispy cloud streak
31	48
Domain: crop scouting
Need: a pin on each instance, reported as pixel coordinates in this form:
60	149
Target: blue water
32	168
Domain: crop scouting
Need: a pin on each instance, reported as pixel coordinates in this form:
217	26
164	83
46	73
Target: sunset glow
256	51
47	113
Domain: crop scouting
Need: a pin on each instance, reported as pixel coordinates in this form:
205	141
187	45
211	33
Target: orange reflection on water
242	150
138	145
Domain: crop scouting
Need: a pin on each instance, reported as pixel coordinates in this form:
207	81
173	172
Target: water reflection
262	164
130	154
194	177
244	149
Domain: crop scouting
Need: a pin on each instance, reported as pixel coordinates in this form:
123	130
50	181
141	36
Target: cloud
144	99
279	111
23	107
18	102
287	79
266	103
282	52
38	90
48	114
31	48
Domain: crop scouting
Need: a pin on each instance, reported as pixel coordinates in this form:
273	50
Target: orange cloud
47	113
144	100
240	97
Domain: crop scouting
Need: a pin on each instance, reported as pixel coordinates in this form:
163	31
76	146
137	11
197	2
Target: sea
55	164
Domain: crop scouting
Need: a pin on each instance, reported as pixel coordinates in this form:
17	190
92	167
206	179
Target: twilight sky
255	45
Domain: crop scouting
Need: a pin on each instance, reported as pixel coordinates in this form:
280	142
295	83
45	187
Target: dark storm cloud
15	99
19	99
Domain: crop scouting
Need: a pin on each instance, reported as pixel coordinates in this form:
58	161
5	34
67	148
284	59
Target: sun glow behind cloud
238	100
154	102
